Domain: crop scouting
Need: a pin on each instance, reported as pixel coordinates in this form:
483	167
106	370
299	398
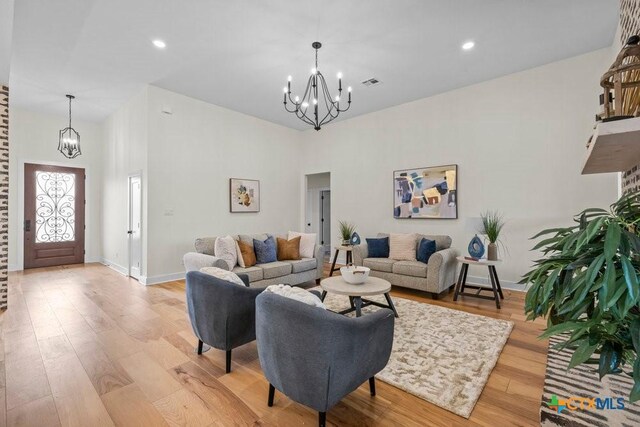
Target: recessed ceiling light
468	45
159	44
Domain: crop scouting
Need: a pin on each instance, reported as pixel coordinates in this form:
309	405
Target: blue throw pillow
426	248
265	251
378	248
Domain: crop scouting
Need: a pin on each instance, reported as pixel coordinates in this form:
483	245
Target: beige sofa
260	275
437	276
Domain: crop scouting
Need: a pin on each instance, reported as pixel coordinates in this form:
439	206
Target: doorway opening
54	222
135	226
318	209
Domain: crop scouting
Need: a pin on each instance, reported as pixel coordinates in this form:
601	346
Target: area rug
582	382
441	355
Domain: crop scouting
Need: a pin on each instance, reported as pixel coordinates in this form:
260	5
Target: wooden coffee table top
373	286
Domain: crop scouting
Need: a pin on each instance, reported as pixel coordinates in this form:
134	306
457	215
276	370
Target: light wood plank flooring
83	345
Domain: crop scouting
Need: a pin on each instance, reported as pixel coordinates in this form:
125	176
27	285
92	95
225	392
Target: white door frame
129	220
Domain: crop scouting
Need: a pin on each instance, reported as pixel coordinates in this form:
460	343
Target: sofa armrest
194	261
319	256
441	270
360	252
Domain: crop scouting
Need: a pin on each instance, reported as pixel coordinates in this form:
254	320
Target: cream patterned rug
441	355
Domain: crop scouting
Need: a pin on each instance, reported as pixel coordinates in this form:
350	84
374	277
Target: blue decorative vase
355	238
476	247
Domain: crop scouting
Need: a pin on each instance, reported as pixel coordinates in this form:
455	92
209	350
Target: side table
349	255
461	285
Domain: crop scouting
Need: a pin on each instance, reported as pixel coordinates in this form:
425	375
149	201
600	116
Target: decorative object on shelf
317	106
621	84
355	239
429	192
69	138
346	231
244	195
587	285
476	247
355	275
492	223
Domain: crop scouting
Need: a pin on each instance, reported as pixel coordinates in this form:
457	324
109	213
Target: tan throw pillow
307	243
402	247
288	249
247	254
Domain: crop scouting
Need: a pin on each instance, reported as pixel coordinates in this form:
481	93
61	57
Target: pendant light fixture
69	139
316	107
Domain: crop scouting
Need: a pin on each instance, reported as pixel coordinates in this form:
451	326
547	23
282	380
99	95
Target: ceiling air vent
371	82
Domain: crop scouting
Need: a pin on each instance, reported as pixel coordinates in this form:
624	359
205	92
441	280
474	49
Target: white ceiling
238	54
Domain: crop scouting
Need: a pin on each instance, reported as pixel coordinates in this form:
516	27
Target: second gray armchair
315	356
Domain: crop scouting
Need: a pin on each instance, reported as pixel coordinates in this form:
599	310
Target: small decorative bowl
355	275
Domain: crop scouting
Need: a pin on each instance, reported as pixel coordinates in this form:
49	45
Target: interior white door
135	226
325	219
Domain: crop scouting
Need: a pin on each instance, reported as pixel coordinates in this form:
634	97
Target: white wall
124	153
192	154
519	142
33	138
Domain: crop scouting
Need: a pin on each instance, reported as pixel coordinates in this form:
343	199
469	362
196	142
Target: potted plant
587	285
346	231
492	223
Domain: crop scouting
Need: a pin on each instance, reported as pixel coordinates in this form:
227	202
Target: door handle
27	225
130	232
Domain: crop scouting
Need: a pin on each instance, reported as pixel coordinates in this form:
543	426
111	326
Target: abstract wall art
244	195
429	192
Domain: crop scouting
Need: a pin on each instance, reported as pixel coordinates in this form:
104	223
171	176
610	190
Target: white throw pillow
402	247
225	248
297	294
221	274
239	256
307	243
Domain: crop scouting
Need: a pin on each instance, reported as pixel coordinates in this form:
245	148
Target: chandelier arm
305	119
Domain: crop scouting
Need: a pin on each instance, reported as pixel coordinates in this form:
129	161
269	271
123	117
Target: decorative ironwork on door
55	207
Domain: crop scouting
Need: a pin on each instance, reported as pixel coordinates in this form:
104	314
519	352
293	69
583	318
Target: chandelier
69	139
316	107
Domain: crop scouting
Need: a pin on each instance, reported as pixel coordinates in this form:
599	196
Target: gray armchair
315	356
222	313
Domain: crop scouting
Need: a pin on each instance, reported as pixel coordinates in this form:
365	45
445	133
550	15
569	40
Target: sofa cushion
402	247
275	269
379	264
410	268
254	273
248	238
304	264
426	248
378	248
288	250
206	245
265	250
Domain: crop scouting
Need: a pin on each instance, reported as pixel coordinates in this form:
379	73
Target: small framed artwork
426	193
244	195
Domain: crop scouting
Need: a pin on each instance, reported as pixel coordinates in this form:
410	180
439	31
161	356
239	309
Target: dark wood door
53	215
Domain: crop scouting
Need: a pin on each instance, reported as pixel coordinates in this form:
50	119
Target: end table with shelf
461	285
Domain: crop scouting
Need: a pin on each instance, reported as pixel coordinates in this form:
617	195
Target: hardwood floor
83	345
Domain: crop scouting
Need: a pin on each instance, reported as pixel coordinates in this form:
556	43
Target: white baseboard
504	284
112	265
162	278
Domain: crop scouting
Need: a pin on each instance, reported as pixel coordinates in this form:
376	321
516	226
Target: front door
53	215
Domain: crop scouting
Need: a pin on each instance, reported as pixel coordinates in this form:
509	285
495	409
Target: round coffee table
372	286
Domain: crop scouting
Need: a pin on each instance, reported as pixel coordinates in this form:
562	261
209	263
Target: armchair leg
200	343
322	419
372	386
228	361
317	281
272	392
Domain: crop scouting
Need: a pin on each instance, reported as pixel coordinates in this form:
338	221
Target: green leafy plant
492	223
346	230
587	287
